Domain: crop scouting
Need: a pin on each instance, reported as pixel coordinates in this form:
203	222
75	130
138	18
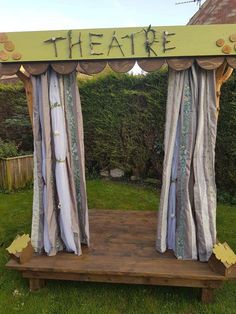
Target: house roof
215	12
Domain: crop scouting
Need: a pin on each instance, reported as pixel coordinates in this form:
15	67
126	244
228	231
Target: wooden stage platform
122	251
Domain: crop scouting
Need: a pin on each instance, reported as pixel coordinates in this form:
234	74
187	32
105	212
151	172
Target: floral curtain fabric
187	215
60	212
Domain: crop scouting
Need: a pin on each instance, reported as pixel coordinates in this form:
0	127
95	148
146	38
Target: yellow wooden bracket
19	244
225	254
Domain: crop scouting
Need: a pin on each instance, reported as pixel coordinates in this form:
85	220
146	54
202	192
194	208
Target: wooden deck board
122	250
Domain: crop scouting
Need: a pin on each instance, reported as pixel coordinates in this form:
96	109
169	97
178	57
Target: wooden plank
29	92
117	43
180	64
232	274
92	67
2	174
64	67
123	251
150	65
128	250
222	75
36	68
121	66
124	266
16	172
9	176
124	279
9	69
210	63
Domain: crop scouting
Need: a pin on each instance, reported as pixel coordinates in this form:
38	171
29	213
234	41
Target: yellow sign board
119	43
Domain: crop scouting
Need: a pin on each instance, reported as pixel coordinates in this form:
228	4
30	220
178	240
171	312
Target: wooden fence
16	172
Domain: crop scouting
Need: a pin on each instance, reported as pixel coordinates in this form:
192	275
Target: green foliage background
123	122
14	118
124	119
226	142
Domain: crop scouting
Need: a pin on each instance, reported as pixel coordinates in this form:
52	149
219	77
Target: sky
25	15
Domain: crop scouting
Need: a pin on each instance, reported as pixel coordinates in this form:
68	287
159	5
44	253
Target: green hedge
8	149
14	118
123	122
226	142
124	118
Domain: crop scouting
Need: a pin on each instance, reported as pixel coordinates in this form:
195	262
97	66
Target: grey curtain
187	213
60	211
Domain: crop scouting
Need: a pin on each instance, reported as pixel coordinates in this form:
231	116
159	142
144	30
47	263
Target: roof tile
215	12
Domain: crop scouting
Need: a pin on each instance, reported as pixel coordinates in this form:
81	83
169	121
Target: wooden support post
223	73
29	92
36	284
207	295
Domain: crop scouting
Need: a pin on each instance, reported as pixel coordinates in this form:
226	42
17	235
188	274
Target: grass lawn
73	297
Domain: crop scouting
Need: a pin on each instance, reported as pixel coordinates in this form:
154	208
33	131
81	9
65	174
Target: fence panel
16	172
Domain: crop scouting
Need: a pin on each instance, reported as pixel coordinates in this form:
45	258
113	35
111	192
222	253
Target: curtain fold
187	214
76	147
60	212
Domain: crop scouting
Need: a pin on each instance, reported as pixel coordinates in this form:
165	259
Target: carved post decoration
223	73
29	92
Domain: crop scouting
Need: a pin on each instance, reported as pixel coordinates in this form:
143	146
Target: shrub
226	140
14	118
124	122
124	119
8	149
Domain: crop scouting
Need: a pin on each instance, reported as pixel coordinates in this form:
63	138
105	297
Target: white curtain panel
60	212
61	174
